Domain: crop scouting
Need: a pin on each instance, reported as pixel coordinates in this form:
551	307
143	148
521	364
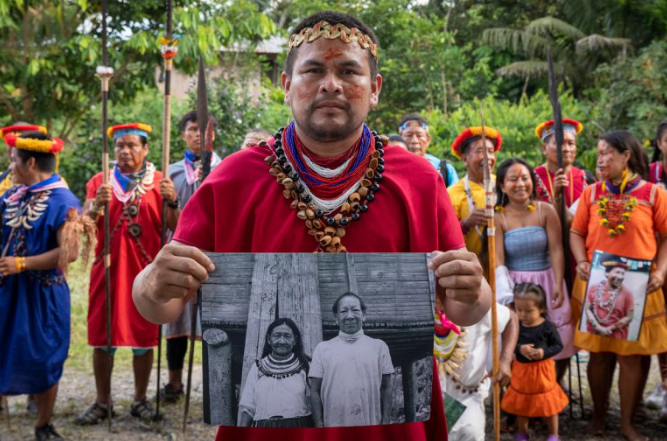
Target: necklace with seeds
327	226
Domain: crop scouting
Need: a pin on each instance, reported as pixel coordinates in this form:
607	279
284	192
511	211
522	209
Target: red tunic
576	179
128	327
241	208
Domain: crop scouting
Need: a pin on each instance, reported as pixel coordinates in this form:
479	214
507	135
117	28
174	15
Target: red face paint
354	92
332	53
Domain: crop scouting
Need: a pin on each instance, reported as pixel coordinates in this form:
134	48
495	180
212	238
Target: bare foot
595	428
632	435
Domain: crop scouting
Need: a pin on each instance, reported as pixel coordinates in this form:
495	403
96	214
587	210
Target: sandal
94	414
47	432
142	410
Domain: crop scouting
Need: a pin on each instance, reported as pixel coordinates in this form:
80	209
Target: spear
491	233
562	208
169	51
206	152
104	73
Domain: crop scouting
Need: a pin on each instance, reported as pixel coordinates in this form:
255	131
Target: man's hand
8	266
583	270
560	182
167	190
461	289
460	273
104	194
504	374
527	351
177	272
476	219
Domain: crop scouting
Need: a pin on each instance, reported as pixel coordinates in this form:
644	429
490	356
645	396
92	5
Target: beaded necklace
616	207
352	189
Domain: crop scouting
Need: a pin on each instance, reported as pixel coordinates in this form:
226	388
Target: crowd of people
357	192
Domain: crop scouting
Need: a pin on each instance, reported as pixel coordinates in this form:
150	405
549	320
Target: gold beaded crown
326	30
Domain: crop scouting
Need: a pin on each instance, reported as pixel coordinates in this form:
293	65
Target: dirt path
77	392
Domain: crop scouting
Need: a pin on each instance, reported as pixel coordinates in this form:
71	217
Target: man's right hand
476	219
104	194
177	272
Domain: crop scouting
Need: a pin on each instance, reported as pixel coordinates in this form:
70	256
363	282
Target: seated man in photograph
610	307
351	374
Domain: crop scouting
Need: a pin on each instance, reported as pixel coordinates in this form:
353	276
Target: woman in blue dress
37	215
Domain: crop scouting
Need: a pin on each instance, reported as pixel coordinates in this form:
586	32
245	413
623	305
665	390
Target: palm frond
596	42
524	69
548	26
516	40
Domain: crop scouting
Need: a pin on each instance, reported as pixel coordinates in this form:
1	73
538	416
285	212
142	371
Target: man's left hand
460	273
167	190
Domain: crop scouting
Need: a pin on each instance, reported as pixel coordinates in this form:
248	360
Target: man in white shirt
351	373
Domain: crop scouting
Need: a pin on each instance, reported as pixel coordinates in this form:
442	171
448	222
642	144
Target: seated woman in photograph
626	216
530	246
276	391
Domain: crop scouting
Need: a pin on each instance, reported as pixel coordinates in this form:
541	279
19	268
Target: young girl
533	390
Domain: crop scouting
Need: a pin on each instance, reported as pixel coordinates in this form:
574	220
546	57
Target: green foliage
51	49
516	123
632	94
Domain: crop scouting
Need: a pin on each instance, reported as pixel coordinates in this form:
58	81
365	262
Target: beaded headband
129	129
36	145
412	123
548	128
324	29
611	264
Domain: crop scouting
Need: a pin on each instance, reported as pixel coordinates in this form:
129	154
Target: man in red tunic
135	207
610	307
339	189
553	181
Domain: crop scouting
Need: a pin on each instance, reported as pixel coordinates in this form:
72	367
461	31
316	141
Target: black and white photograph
318	340
615	296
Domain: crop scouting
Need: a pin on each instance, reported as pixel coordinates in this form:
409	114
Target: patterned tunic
34	305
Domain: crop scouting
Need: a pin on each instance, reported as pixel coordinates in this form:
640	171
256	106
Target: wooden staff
205	153
490	198
561	206
104	73
169	51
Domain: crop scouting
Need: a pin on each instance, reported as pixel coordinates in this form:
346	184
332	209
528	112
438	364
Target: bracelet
582	261
20	264
173	205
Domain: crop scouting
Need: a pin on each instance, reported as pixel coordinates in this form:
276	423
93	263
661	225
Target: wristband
20	264
173	205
